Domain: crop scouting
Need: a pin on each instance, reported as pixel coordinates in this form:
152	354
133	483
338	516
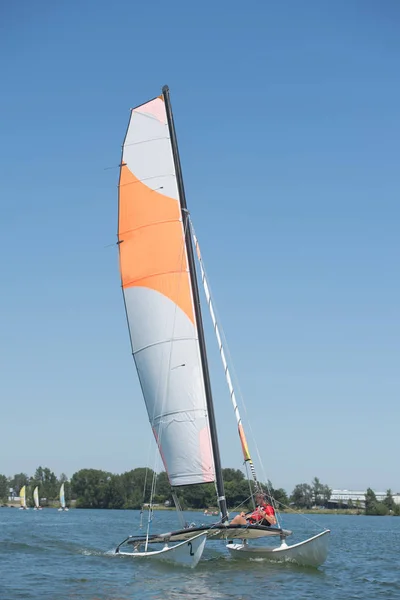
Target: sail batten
159	300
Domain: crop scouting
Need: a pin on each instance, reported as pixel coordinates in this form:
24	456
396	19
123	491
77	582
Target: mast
197	308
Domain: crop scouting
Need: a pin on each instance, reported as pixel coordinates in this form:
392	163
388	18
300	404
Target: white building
357	497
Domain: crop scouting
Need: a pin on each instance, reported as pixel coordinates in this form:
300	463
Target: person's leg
239	520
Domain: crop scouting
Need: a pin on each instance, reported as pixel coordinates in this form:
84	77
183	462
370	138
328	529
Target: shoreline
320	511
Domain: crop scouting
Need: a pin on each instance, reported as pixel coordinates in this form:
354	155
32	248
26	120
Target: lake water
49	555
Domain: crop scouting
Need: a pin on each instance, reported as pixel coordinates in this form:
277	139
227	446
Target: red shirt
258	516
269	510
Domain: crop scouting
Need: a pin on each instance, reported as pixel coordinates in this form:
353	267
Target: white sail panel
158	298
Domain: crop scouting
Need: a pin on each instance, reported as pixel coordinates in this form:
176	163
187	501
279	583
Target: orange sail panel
158	297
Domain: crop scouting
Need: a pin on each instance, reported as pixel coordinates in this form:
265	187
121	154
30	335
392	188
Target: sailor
264	514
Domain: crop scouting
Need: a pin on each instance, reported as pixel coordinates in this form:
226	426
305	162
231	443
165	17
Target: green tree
237	494
198	496
317	490
163	488
279	495
372	506
302	495
137	487
89	486
234	475
388	501
18	481
370	502
4	488
47	482
326	494
114	493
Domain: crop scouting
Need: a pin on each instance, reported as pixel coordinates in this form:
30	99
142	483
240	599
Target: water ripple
45	557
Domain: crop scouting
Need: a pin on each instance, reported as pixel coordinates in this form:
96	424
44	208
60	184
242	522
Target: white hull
187	553
310	553
63	509
24	508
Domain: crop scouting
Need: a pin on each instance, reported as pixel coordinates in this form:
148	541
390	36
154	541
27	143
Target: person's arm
269	515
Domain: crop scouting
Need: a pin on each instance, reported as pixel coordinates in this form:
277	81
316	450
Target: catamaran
22	498
36	499
63	506
156	243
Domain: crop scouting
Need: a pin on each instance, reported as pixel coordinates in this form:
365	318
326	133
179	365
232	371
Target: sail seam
134	281
165	137
178	220
169	341
144	178
178	412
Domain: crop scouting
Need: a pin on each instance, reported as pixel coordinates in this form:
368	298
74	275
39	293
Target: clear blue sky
288	120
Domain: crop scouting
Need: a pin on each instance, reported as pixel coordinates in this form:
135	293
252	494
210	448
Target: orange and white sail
158	297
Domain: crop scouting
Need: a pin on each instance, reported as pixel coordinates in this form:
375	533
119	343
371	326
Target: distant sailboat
36	498
62	499
22	498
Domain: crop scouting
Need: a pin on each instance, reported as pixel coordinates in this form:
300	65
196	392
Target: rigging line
150	516
249	482
207	292
145	482
236	509
298	512
253	437
178	507
237	381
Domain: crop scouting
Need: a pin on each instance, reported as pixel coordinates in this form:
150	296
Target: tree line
386	507
94	488
48	483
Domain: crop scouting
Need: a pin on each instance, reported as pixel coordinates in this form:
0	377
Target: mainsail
62	496
158	295
22	497
36	496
